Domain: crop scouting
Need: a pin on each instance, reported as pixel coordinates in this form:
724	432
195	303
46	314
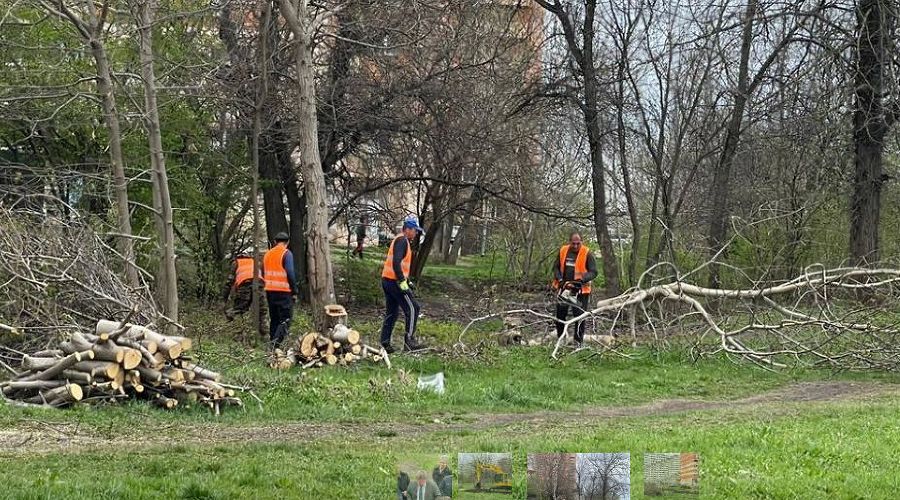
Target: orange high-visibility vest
580	266
405	265
274	271
244	272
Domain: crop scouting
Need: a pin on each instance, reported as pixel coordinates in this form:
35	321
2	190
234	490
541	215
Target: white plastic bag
432	382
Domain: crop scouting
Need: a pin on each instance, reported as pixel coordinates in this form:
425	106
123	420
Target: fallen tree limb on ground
783	323
107	366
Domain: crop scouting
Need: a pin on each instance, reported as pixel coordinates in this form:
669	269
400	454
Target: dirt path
33	436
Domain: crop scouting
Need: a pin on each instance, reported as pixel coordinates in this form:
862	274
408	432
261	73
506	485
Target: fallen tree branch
795	334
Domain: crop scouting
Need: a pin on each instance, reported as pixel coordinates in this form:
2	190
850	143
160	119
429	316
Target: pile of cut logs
118	361
340	345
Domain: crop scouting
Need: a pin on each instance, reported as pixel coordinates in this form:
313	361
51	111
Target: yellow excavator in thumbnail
498	479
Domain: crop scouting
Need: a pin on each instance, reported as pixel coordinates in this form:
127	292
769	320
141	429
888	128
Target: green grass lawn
835	449
839	450
361	278
519	379
469	495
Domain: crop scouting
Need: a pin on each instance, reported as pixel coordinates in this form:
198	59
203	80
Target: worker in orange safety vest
573	272
397	291
240	286
281	288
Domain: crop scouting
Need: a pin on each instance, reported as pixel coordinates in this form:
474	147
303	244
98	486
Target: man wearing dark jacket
402	485
443	477
397	292
573	273
281	288
421	489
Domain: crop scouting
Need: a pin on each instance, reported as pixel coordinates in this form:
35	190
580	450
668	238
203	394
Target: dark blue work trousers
396	299
281	309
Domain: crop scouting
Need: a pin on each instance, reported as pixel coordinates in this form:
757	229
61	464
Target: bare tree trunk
465	227
650	258
598	182
111	117
273	200
447	238
321	278
455	247
168	281
426	244
256	303
449	222
529	246
610	264
92	32
262	92
296	201
626	175
875	20
718	216
439	231
584	58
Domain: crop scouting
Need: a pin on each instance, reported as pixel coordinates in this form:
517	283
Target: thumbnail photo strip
671	474
548	476
579	476
425	477
484	476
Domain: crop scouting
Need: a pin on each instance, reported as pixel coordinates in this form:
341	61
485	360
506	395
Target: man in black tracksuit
574	270
397	292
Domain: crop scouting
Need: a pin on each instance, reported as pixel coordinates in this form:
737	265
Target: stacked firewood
339	345
118	361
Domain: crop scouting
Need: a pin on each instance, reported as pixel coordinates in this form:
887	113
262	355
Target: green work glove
404	285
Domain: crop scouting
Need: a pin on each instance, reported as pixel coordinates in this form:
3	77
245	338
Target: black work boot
411	344
388	348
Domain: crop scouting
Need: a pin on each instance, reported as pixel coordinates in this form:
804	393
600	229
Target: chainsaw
568	293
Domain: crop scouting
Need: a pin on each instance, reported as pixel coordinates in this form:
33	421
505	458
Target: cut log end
308	345
75	392
120	361
131	359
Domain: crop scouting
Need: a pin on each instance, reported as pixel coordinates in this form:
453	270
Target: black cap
282	236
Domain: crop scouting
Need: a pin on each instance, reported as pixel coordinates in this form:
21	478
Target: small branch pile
118	361
340	345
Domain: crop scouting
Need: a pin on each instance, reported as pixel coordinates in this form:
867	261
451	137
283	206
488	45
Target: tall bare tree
874	46
321	277
167	280
91	30
262	90
722	174
746	85
581	51
603	476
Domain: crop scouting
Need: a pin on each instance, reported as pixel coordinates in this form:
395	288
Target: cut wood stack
339	346
118	361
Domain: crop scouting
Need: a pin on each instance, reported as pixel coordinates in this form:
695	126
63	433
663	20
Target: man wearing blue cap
397	293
